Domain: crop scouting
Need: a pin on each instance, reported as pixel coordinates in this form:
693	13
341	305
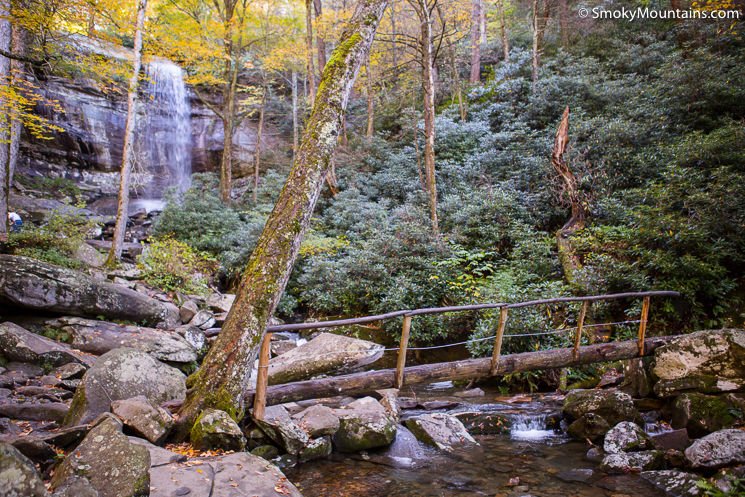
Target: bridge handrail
462	308
263	370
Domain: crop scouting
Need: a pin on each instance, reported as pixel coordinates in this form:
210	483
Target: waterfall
165	137
529	427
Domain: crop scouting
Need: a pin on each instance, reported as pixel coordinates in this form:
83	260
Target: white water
530	427
165	143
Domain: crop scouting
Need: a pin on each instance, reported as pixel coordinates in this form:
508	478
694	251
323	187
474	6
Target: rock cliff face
88	150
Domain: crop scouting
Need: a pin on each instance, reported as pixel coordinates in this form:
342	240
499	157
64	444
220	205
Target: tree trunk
569	260
5	37
535	62
564	22
122	212
222	380
309	48
257	151
475	42
226	161
540	20
428	89
17	69
503	33
370	101
369	381
320	41
295	121
456	83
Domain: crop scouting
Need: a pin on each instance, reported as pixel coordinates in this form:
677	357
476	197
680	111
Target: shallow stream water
530	460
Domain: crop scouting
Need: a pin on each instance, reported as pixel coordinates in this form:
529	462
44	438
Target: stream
530	460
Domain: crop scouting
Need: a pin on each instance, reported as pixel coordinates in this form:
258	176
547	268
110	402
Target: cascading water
531	427
165	135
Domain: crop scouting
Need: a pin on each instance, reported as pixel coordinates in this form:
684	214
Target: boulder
70	371
232	475
280	347
624	462
439	430
673	482
144	418
122	374
215	429
18	476
363	424
19	344
717	449
671	440
626	437
325	353
76	486
187	311
203	320
99	337
706	361
220	302
470	393
34	410
39	286
317	448
194	336
317	421
278	425
114	466
701	414
267	452
389	400
589	427
612	405
89	256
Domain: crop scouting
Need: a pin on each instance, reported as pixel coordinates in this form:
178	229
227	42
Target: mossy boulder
364	424
122	374
215	429
591	413
114	466
440	430
709	361
18	476
718	449
146	419
317	448
626	462
588	427
701	414
317	420
626	437
278	426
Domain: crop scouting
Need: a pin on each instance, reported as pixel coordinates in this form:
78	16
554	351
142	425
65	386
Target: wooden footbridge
368	381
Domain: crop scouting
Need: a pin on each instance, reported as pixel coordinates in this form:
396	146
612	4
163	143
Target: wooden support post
498	341
401	360
580	325
643	324
262	377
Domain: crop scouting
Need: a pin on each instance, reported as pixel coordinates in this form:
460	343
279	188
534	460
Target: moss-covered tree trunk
223	378
5	36
122	211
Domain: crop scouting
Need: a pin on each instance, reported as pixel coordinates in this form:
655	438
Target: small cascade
165	141
530	427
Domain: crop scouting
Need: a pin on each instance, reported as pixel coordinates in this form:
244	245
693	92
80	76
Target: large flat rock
99	337
234	475
38	286
324	354
19	344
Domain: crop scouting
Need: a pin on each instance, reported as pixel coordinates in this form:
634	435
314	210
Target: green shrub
172	265
55	241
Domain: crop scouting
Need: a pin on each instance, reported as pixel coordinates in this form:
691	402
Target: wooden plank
580	325
498	341
262	377
401	359
369	381
643	324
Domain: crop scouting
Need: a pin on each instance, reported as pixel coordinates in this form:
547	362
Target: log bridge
496	365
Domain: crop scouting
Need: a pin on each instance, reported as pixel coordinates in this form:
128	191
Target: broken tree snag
569	191
369	381
222	380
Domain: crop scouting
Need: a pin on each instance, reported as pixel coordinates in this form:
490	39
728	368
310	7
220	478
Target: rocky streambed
87	407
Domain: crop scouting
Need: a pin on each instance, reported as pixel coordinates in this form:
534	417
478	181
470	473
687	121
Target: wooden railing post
498	340
643	324
401	359
262	377
580	325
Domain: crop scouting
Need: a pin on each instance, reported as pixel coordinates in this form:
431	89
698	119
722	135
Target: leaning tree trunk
115	253
222	380
569	260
